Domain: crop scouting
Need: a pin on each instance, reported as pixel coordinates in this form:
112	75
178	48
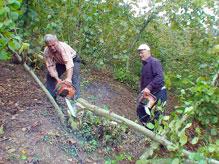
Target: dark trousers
51	82
143	116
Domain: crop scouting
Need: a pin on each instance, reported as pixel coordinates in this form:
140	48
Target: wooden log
99	111
120	119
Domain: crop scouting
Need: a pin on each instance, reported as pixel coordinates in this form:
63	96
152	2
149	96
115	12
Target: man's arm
51	66
67	56
69	75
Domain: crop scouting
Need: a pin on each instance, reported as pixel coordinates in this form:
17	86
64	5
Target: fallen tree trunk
133	125
120	119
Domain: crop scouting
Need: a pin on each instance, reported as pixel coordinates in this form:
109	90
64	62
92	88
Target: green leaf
1	3
23	157
213	132
106	107
188	125
202	162
175	161
4	55
13	45
49	16
189	109
14	15
217	142
166	118
108	161
14	4
211	149
214	120
183	139
24	47
150	125
178	125
9	24
3	11
18	38
178	76
195	140
195	156
1	25
3	42
198	130
216	48
115	56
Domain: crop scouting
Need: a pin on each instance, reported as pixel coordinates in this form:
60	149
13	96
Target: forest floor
31	132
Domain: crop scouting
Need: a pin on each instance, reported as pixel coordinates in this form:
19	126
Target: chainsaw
147	103
67	90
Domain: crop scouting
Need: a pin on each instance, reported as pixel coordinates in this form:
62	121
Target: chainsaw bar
72	107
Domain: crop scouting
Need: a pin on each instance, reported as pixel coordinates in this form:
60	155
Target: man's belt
77	59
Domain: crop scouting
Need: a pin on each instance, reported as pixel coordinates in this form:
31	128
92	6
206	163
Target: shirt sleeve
67	56
51	66
158	78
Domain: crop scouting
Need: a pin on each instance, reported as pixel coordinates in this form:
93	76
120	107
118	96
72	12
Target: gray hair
49	37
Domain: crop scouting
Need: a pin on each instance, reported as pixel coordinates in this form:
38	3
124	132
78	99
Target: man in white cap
152	81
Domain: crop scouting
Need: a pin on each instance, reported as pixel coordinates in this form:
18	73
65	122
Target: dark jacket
152	75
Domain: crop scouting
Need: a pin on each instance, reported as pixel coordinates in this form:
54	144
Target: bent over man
60	57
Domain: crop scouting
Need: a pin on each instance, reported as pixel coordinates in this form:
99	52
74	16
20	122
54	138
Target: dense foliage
9	14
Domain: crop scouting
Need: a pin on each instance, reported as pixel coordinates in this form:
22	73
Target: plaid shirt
63	55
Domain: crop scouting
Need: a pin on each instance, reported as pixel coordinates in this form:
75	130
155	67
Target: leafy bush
9	14
211	150
202	101
124	76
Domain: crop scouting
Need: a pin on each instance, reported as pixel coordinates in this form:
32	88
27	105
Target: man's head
144	51
51	42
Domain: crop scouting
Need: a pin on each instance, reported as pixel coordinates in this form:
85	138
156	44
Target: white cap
144	47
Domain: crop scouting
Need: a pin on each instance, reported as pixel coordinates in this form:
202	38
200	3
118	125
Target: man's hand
59	80
68	80
146	91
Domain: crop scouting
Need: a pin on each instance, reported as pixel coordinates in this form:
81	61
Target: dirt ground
101	90
28	121
30	131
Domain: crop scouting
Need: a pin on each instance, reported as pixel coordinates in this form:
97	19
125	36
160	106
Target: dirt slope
31	131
